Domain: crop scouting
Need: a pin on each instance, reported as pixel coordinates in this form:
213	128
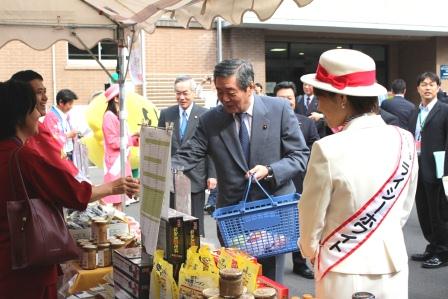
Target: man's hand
259	172
316	116
211	183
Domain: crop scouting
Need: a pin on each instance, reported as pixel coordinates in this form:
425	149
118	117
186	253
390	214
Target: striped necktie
244	136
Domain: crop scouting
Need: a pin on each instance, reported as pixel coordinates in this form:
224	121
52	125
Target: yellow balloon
140	110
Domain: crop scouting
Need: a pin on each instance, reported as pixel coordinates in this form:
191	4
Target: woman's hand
127	185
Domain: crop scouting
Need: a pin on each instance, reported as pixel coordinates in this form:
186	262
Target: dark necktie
308	102
244	136
183	125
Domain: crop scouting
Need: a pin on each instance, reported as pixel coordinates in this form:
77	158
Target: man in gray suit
185	119
247	135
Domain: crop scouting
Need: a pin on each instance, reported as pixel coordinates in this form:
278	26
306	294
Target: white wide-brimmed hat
346	71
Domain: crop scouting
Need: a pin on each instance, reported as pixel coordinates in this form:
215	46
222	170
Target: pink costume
54	124
111	133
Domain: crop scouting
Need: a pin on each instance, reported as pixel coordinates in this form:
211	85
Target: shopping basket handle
246	194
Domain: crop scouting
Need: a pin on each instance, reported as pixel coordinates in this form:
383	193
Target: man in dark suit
306	105
389	118
247	135
185	119
429	123
287	90
399	105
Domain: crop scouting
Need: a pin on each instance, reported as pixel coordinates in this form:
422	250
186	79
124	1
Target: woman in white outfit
359	188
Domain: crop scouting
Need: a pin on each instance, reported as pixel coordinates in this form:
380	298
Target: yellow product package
193	282
250	270
163	285
192	261
226	259
207	260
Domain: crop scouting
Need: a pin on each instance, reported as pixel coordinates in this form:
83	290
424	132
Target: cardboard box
133	262
282	291
136	289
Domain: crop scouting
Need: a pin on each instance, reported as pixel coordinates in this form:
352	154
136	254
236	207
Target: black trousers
432	211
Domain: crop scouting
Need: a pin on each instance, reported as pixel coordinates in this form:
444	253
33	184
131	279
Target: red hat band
366	78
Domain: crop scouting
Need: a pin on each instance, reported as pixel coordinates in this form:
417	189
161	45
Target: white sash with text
357	229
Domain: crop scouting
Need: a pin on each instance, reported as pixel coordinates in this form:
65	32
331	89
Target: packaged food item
230	282
282	291
99	230
88	261
210	292
265	293
104	255
162	283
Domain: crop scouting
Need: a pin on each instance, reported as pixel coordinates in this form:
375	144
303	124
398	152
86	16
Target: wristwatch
270	173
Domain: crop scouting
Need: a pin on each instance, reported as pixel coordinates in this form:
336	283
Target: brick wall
16	56
247	44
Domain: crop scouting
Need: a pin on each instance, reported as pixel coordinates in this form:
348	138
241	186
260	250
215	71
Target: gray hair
185	78
242	70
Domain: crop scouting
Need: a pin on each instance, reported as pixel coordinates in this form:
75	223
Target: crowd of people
358	163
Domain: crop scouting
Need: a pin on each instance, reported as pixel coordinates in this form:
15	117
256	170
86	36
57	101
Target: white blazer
345	170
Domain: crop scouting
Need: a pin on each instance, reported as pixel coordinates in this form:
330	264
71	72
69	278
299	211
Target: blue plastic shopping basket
262	228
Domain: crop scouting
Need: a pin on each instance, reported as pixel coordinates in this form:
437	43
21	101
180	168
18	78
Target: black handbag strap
14	159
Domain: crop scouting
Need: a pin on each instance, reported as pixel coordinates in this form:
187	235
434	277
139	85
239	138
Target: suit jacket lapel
413	121
230	139
431	114
259	130
192	121
175	118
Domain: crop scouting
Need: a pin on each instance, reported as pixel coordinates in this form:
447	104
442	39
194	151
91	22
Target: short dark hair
398	86
428	75
360	104
65	96
27	76
285	85
259	85
17	99
242	69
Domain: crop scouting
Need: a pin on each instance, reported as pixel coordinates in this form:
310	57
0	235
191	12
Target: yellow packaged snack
250	272
163	285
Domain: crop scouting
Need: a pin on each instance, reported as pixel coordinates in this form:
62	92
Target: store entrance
288	61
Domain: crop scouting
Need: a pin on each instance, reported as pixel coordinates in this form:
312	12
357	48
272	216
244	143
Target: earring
343	105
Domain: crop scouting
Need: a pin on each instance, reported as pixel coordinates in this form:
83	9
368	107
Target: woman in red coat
19	121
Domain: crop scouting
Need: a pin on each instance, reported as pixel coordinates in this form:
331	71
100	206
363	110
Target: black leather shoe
435	262
303	271
421	257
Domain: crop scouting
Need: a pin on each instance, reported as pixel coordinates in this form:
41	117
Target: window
105	51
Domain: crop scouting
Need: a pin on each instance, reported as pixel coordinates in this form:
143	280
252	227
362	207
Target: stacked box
191	231
171	237
132	270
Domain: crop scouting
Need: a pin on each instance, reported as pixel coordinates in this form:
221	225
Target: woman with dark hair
18	122
111	133
359	187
